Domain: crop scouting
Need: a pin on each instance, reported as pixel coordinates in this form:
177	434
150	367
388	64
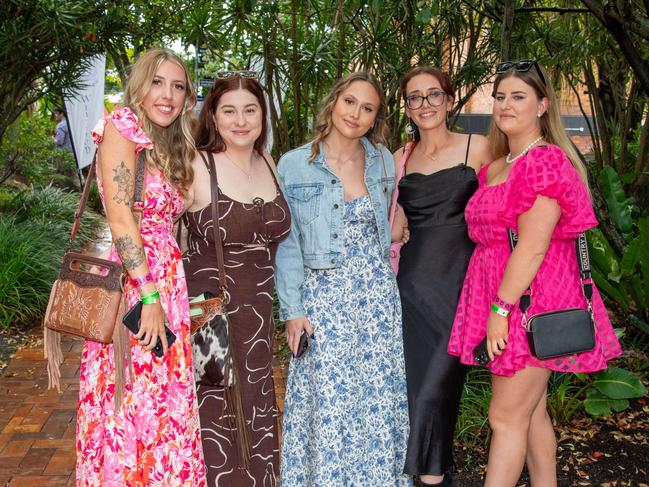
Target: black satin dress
431	272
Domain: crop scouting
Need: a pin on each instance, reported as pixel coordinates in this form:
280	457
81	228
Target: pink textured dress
155	438
543	171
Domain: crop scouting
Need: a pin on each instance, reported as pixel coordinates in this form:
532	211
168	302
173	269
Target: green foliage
619	206
33	233
623	278
29	153
611	389
45	45
30	255
473	423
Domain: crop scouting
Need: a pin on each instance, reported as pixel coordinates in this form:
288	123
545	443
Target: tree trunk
295	75
507	28
340	23
629	47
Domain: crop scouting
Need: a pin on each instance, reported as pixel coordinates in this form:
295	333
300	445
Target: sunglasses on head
520	66
237	74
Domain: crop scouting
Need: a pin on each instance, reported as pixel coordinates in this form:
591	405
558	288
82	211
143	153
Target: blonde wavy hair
173	146
379	132
552	127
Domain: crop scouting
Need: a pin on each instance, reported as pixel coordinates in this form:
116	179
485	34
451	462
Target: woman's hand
497	334
152	327
293	329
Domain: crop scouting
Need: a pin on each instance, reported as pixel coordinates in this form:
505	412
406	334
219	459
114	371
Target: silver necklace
248	175
511	160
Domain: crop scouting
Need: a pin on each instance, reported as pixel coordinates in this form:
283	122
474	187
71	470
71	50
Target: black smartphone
132	322
303	345
480	355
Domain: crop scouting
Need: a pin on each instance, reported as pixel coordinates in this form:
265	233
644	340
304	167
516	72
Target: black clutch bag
566	331
132	322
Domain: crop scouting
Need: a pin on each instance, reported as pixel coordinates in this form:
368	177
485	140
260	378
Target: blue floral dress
346	412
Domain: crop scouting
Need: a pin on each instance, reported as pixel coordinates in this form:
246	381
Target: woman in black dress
439	179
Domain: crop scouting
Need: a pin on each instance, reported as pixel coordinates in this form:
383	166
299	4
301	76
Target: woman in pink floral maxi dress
538	192
154	438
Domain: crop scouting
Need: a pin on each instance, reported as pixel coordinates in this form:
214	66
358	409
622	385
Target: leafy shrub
472	423
56	205
32	241
30	154
30	257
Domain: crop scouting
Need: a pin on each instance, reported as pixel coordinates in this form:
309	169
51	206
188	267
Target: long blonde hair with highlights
552	127
378	134
173	146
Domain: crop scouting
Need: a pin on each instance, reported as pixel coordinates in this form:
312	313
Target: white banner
85	108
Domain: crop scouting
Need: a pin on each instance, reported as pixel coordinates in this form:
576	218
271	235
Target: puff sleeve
547	171
127	124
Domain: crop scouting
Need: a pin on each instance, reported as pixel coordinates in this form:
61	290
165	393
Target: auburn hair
444	81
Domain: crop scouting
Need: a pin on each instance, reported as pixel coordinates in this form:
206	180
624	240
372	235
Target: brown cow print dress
250	234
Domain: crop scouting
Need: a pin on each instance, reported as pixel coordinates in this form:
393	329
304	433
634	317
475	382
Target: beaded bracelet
502	303
150	298
500	311
141	281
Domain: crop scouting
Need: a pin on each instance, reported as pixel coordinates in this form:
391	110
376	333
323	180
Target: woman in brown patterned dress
254	217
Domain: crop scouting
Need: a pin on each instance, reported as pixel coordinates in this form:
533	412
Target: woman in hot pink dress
537	187
154	437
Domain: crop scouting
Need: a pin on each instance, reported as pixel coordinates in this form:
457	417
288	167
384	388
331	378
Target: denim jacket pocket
304	200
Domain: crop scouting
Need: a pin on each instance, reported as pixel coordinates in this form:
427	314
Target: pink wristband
500	302
141	281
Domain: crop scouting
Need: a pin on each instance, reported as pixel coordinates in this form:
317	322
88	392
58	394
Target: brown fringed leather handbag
87	299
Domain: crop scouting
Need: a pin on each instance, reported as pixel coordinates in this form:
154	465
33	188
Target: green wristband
150	298
499	311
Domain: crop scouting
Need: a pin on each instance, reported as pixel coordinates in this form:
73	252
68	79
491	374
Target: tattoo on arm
125	184
131	255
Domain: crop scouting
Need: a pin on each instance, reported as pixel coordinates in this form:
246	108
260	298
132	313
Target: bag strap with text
583	258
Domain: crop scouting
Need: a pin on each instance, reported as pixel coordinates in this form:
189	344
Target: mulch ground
607	452
37	429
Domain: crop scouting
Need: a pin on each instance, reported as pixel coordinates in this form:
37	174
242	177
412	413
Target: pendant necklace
248	175
511	160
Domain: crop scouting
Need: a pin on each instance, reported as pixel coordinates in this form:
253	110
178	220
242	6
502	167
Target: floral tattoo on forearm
125	184
131	255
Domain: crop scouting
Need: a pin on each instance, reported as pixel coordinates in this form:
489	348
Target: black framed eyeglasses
237	74
434	98
520	66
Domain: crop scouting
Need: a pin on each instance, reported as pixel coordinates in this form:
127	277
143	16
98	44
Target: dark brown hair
441	76
207	137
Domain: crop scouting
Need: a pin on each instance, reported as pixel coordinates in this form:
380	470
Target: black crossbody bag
566	331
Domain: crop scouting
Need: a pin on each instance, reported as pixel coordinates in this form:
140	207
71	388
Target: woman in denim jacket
346	418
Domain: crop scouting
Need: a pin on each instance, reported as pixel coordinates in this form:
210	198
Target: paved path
37	426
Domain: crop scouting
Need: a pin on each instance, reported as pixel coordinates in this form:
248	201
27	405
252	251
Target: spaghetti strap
468	144
272	173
